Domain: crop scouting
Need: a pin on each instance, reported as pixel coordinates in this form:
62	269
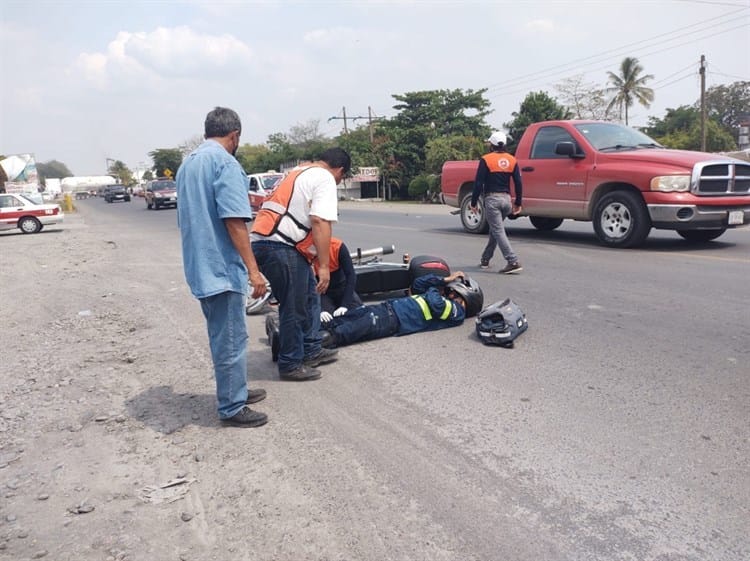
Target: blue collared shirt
211	186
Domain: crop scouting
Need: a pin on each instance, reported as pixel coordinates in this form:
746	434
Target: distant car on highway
19	211
160	193
262	185
116	193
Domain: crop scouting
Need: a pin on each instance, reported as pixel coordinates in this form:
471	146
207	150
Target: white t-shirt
314	194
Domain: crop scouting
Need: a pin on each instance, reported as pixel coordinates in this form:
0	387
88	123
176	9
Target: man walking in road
292	226
493	180
217	258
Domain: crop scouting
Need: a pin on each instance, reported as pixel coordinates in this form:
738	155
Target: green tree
680	129
54	169
166	159
148	175
424	116
536	107
419	187
121	172
255	158
443	149
727	104
3	176
629	86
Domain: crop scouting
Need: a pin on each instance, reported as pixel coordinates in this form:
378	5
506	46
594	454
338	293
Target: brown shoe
246	417
511	268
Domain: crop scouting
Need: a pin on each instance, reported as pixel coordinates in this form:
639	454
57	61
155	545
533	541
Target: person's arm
321	235
518	185
347	267
425	282
237	230
481	176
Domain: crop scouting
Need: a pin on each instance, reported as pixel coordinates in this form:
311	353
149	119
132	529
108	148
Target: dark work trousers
364	324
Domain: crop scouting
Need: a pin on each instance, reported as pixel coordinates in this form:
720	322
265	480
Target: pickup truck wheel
701	235
473	222
29	225
621	220
545	224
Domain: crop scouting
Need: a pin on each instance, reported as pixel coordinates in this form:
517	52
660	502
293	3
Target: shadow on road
166	412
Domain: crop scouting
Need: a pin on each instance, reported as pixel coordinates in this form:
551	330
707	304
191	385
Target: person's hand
454	276
258	282
472	208
339	311
325	317
516	209
324	278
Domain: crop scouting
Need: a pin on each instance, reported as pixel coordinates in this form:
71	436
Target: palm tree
629	86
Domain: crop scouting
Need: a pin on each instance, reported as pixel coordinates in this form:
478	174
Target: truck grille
721	178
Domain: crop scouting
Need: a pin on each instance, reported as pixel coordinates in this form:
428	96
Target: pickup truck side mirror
568	149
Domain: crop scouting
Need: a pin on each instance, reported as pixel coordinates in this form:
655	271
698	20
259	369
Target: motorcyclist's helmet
470	292
257	305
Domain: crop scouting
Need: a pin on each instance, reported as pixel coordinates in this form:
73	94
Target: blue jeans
293	285
364	324
496	207
227	337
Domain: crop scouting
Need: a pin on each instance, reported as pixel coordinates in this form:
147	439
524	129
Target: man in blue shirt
212	211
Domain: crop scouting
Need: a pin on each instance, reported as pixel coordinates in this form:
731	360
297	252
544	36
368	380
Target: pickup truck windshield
164	185
611	136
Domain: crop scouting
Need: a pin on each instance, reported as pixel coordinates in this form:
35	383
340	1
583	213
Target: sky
84	82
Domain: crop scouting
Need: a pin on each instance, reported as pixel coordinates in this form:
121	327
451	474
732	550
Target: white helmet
256	305
497	138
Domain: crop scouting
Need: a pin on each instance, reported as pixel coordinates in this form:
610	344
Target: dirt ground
110	448
109	443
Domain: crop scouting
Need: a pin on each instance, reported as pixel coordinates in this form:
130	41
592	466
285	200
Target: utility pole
369	120
343	110
703	102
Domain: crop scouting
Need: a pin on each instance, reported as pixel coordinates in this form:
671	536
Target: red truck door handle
527	168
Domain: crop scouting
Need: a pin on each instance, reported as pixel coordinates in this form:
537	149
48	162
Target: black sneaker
300	374
254	396
323	357
329	339
246	418
484	264
511	268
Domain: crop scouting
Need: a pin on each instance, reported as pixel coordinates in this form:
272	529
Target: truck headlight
671	183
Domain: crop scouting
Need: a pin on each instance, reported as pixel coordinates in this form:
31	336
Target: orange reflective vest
333	256
500	162
274	217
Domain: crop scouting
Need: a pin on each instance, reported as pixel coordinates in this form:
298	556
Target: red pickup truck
619	179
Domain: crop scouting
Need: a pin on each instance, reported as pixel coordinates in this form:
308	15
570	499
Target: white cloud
540	26
166	53
332	36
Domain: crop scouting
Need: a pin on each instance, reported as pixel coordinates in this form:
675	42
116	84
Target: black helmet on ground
470	292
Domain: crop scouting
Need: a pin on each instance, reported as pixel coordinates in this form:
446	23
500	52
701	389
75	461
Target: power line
646	43
692	40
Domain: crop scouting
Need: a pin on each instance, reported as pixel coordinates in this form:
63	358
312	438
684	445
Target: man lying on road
438	302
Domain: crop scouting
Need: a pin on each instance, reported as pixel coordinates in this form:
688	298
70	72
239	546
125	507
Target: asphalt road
616	429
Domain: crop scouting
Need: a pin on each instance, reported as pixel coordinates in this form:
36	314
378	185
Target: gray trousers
496	207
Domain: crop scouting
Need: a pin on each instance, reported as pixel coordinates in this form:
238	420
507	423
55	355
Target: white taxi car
19	211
